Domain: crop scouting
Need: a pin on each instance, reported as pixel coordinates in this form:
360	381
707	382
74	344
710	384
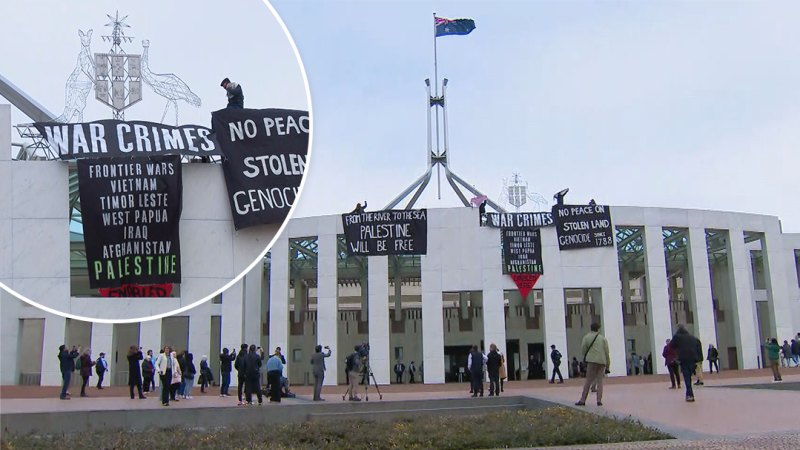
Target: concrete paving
727	412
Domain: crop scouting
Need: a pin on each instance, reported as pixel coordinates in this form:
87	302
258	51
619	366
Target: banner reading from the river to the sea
107	138
131	209
583	226
265	159
390	232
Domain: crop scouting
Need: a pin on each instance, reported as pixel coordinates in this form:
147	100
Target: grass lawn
522	428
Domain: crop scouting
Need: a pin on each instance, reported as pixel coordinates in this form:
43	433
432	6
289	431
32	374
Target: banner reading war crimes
106	138
131	209
265	158
583	226
522	251
518	220
390	232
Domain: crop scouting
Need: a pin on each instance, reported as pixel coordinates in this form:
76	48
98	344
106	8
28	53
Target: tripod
369	375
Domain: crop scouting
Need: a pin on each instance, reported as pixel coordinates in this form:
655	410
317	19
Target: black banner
522	251
265	158
583	226
517	220
106	138
390	232
131	209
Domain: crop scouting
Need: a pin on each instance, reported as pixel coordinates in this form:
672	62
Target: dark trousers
674	374
240	387
83	385
318	385
138	387
274	379
147	381
712	363
173	390
494	383
100	377
165	386
398	377
225	383
66	376
476	379
556	370
687	369
411	377
253	385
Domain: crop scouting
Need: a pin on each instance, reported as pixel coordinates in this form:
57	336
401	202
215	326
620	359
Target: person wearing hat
101	367
235	93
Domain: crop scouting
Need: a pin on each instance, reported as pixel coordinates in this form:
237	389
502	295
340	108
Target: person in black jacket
239	366
252	370
555	356
493	363
713	357
134	370
475	361
689	353
234	92
225	367
67	365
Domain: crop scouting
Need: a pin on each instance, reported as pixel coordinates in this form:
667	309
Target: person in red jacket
86	370
671	361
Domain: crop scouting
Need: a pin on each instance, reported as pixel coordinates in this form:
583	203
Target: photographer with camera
318	369
353	366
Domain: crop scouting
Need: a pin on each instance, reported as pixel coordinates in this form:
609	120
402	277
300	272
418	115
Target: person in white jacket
167	368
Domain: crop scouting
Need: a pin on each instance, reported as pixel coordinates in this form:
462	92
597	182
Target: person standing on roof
235	93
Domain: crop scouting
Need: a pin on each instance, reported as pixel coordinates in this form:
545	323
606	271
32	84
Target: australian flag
445	27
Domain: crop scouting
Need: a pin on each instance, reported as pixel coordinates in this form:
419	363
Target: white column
149	336
657	293
553	307
775	273
232	323
494	318
9	333
701	299
744	311
432	317
55	328
327	309
279	295
378	316
613	327
252	314
200	331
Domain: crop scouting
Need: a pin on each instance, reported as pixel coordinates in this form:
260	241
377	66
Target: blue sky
672	104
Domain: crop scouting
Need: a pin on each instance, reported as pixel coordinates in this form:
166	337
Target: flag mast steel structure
438	157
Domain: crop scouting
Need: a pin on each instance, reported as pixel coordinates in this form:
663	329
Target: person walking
475	363
225	367
773	354
689	353
399	369
411	371
713	358
787	353
234	93
164	369
555	357
698	368
493	363
240	373
134	370
66	361
671	361
148	373
598	359
318	369
206	377
86	369
796	352
274	373
101	367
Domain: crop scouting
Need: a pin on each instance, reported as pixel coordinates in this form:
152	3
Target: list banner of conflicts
583	226
522	257
390	232
107	138
265	158
131	209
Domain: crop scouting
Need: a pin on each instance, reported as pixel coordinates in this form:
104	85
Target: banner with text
522	251
583	226
517	220
131	209
390	232
265	159
107	138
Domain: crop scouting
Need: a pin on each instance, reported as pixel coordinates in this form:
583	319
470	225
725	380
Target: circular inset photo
150	152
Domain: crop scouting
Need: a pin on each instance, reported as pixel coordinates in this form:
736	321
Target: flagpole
436	94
